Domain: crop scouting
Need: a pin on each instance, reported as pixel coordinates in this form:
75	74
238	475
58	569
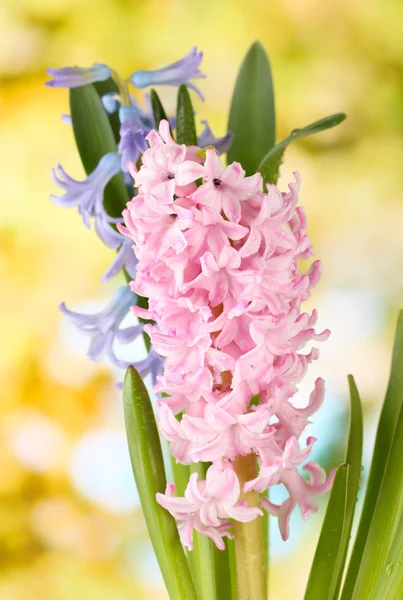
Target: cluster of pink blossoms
218	261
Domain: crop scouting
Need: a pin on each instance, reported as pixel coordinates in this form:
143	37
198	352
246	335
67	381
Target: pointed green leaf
252	116
327	551
390	584
270	165
318	126
185	120
158	110
202	556
148	468
383	442
105	87
95	138
353	459
385	519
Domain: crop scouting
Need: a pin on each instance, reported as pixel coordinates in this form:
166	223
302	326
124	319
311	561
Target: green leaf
390	584
94	138
225	580
158	110
270	165
202	556
385	520
318	126
353	459
327	551
185	120
148	468
105	87
252	115
230	550
382	449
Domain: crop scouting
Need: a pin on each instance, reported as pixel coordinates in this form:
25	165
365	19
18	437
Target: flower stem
248	537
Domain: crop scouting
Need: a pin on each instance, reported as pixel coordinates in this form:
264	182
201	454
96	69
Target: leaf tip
341	117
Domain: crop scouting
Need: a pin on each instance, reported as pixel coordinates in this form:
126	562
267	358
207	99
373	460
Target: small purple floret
207	138
132	136
72	77
87	195
175	74
111	102
104	327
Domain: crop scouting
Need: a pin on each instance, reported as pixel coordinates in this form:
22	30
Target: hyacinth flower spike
231	435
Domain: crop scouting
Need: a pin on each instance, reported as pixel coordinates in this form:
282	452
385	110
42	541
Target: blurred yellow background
70	523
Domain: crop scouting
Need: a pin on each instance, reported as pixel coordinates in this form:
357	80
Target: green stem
249	547
123	91
201	558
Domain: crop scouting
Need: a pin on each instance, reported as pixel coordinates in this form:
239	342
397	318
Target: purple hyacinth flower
104	327
153	364
67	119
175	74
72	77
146	115
132	136
207	138
107	234
111	102
125	257
87	195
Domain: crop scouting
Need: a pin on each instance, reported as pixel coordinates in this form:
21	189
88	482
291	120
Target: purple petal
207	138
72	77
174	74
111	102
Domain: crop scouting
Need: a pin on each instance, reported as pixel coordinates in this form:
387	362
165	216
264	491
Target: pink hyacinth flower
207	505
219	261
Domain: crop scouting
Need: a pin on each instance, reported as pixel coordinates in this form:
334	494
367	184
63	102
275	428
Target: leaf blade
185	120
94	138
327	551
104	87
148	468
252	112
384	437
385	521
270	164
353	459
390	584
157	108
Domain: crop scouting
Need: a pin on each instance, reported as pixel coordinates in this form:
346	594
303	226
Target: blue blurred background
70	522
